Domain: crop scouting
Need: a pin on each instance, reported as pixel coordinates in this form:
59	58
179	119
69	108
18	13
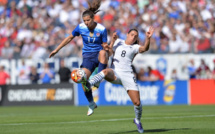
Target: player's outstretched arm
145	47
62	44
114	38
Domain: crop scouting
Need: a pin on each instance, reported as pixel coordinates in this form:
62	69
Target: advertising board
166	92
202	92
47	94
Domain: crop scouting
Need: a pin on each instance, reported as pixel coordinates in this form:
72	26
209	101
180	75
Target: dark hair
93	8
133	29
149	69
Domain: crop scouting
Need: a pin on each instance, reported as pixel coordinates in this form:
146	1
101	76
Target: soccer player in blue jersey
95	47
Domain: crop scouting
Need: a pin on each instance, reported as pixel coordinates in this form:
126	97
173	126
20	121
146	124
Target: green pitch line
109	120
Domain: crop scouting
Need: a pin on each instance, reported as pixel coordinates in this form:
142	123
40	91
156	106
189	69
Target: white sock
97	78
137	121
138	113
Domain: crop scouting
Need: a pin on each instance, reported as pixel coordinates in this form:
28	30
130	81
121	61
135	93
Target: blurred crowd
194	72
31	75
33	28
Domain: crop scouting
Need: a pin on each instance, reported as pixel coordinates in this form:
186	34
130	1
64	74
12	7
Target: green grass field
106	120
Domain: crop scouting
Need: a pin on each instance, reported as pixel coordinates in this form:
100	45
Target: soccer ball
78	75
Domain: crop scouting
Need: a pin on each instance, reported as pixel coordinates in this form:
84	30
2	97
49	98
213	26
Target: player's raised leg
106	74
103	61
135	98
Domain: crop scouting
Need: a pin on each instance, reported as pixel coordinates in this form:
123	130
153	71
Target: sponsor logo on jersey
97	34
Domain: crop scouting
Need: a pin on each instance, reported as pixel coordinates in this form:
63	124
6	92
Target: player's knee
136	102
103	57
105	71
103	53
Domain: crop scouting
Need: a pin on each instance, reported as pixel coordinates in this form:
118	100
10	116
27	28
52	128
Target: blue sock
89	96
101	67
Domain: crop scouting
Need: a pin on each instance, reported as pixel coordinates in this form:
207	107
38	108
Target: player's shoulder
119	42
100	26
82	25
135	45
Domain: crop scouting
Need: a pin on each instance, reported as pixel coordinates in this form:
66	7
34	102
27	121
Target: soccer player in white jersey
121	71
95	48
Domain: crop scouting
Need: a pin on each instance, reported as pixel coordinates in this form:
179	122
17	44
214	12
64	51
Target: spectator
142	75
23	74
174	44
47	74
34	75
4	76
64	72
154	75
174	75
203	45
203	71
7	51
192	69
27	48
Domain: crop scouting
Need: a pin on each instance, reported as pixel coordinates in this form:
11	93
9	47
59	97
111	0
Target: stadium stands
31	29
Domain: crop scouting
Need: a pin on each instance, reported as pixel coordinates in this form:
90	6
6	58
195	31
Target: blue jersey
92	42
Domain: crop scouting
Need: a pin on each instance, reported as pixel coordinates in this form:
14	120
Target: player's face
88	21
132	37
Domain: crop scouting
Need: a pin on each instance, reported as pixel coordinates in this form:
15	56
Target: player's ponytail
93	8
137	41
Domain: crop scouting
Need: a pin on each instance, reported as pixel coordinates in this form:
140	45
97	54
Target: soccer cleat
139	127
87	85
91	109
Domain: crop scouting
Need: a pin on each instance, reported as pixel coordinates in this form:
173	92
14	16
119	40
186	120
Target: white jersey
123	55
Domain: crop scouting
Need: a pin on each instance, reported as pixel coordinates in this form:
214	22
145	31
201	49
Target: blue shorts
90	61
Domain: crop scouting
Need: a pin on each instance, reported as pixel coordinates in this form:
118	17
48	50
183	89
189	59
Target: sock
101	67
89	96
97	78
138	113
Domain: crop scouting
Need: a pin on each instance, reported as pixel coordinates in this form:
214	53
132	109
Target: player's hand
114	36
105	46
150	32
52	53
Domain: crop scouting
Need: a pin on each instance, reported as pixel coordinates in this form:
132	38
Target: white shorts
126	79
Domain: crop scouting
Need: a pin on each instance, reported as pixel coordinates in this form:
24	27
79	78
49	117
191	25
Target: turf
106	120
